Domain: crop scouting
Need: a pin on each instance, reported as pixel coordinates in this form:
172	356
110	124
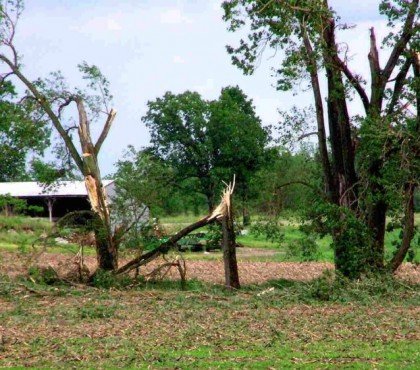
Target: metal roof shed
67	195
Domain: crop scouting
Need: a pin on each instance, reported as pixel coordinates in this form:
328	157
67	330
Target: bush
43	275
304	249
107	279
269	228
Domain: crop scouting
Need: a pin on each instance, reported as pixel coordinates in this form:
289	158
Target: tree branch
220	211
407	33
105	131
299	182
164	247
46	106
399	85
408	229
354	82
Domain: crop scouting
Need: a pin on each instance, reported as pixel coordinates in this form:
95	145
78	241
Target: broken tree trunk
106	248
219	214
229	243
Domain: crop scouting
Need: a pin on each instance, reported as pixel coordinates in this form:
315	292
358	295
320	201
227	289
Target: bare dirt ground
14	264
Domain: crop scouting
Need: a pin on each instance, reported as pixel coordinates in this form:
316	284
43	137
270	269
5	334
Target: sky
148	47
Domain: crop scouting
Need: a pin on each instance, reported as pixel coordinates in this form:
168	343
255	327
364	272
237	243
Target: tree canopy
368	160
209	141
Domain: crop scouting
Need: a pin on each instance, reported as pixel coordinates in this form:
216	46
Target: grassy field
280	324
21	233
291	235
292	322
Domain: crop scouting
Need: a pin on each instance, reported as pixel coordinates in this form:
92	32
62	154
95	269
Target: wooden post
50	202
229	250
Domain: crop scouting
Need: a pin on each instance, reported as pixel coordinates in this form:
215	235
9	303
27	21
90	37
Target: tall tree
209	141
364	150
236	132
21	133
52	96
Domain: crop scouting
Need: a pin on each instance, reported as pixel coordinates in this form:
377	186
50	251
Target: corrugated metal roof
35	189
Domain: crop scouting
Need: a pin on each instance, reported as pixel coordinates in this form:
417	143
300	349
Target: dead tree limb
217	215
166	246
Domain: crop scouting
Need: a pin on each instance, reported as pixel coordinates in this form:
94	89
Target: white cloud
206	88
177	59
173	16
113	25
99	24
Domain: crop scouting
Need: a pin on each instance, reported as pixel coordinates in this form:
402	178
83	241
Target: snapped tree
370	162
52	96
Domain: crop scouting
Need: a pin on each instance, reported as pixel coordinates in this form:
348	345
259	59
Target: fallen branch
221	210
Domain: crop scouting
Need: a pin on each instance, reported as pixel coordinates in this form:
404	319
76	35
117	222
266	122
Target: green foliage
142	180
214	236
107	280
351	237
270	228
22	133
16	206
47	173
45	276
207	141
304	249
272	197
370	288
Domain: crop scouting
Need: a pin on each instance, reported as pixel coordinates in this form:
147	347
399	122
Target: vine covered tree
51	96
370	162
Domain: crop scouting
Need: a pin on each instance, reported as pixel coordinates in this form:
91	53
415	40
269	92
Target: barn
57	199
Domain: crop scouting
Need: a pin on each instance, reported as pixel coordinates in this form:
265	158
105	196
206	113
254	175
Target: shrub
270	228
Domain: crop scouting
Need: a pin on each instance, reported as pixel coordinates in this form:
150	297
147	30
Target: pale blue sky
148	47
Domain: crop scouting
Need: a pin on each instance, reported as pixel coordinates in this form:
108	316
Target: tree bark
339	123
408	229
107	253
229	253
330	186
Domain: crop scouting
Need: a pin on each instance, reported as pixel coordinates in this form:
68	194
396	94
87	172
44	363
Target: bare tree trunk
408	230
339	123
229	251
107	253
330	187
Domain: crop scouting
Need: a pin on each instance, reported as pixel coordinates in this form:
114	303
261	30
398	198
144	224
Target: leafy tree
51	97
276	186
373	158
142	179
208	141
21	133
240	141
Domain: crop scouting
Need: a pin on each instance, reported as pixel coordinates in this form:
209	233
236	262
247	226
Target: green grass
369	324
22	233
291	235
